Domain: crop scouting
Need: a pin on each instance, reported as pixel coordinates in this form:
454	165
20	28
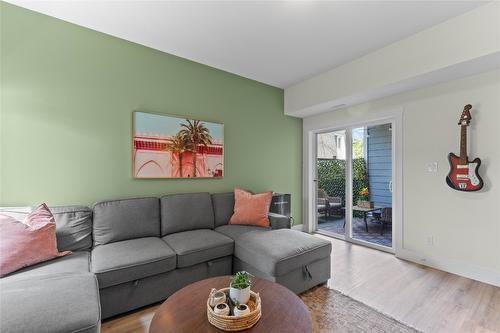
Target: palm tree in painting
177	145
195	133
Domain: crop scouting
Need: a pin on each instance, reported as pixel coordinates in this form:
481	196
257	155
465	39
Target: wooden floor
425	298
422	297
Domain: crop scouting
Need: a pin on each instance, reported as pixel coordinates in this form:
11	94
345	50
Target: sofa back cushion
73	225
187	211
124	219
223	207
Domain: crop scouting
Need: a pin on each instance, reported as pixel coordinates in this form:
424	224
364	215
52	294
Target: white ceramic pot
222	309
241	310
240	295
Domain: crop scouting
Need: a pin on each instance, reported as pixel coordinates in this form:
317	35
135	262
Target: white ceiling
279	43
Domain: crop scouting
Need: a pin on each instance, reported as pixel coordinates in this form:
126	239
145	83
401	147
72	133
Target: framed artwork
166	146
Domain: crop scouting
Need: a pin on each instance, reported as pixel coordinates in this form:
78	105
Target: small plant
241	280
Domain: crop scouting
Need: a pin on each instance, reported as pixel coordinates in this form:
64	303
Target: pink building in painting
153	160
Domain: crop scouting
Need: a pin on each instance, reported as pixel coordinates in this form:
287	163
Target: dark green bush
331	177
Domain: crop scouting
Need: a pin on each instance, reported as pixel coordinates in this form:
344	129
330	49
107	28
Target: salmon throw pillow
27	243
251	209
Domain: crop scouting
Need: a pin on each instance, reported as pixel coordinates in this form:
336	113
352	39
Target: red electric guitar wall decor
464	174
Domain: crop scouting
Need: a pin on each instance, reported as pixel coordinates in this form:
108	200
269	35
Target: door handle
390	186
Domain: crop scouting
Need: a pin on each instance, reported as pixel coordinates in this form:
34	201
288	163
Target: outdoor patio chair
385	218
322	202
335	205
322	206
327	204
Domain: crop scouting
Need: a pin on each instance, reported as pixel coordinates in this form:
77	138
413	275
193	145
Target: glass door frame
396	136
348	175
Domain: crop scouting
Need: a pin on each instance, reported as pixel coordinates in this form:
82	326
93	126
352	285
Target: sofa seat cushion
197	246
234	231
278	252
130	260
77	262
61	303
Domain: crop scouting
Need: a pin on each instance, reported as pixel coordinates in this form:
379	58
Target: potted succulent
239	288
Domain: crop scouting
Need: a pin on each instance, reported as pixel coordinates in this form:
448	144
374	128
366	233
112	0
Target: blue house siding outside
379	159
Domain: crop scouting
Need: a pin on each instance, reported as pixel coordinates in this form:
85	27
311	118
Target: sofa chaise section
292	258
56	296
56	303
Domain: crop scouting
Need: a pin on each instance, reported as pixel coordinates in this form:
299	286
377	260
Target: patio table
365	212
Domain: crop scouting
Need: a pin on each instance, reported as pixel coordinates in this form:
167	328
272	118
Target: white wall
461	46
465	226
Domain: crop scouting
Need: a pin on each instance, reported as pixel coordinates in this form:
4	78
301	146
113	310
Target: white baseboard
452	266
299	227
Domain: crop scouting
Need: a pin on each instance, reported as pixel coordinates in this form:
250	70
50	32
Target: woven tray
240	323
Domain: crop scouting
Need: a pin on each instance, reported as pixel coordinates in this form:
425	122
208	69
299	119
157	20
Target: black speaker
281	204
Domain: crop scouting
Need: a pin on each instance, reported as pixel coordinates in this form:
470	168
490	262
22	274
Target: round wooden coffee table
186	310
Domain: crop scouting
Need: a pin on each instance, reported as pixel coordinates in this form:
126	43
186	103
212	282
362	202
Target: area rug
332	311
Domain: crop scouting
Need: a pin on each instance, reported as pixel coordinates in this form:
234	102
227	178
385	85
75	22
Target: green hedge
331	177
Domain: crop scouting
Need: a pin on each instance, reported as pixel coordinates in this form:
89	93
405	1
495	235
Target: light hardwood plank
135	322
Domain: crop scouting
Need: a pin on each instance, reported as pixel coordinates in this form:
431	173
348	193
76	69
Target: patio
335	224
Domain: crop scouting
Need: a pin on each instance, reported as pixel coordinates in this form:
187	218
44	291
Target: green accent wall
67	95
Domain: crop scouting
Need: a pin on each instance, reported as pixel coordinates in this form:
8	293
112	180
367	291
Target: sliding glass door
354	181
372	184
331	181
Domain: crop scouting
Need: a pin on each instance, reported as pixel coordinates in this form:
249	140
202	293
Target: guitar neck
463	145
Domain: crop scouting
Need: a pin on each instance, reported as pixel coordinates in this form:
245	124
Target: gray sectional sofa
133	252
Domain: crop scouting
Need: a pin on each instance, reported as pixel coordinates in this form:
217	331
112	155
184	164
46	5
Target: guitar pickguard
474	180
